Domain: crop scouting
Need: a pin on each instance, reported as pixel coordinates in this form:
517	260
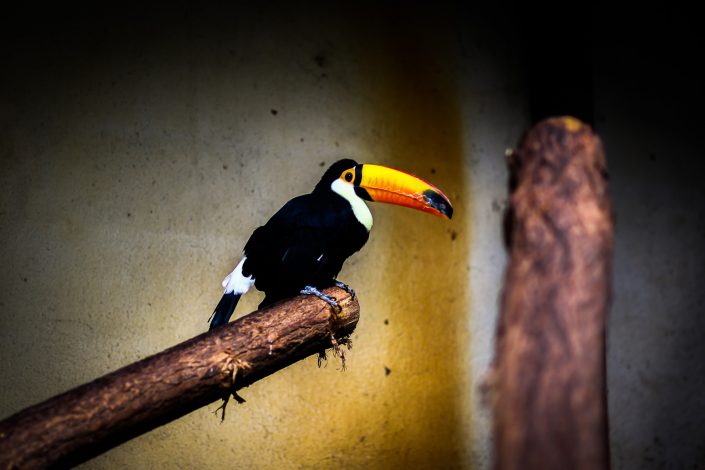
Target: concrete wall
649	103
138	156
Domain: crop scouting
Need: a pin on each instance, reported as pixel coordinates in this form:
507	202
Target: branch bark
84	422
548	377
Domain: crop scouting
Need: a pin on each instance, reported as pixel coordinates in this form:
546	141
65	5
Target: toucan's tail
224	309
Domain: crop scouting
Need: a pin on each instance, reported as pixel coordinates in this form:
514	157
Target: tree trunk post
548	378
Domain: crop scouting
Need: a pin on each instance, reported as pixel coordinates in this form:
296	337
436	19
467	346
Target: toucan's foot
310	290
346	288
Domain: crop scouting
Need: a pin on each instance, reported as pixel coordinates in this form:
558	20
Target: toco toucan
303	246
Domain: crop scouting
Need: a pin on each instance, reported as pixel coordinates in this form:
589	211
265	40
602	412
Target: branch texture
79	424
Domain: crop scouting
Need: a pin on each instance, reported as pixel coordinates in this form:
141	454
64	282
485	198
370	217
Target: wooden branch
77	425
548	378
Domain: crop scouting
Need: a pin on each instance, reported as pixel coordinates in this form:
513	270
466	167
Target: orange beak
384	184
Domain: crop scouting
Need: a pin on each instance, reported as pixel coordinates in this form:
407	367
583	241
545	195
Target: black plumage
302	248
304	244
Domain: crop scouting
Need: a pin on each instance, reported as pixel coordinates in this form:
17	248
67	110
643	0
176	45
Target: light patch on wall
154	175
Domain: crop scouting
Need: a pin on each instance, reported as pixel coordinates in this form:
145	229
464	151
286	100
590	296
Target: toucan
302	248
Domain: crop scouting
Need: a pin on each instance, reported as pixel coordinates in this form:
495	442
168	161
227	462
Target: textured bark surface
548	378
86	421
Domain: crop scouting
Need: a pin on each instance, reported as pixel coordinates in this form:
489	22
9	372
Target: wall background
137	154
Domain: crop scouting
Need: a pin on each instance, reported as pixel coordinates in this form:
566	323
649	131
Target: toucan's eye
348	177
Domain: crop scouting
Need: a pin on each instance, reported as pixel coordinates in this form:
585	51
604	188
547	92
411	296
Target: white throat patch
360	209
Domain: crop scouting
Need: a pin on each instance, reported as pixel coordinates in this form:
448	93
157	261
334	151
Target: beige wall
138	157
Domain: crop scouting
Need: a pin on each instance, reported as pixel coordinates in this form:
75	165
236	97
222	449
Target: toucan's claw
310	290
346	288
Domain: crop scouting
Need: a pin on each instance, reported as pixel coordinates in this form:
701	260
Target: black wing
304	243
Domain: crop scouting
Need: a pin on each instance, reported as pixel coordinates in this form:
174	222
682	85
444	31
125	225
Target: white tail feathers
236	281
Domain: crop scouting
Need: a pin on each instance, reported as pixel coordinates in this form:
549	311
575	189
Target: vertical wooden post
548	378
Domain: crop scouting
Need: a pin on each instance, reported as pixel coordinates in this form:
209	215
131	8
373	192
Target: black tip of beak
438	202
